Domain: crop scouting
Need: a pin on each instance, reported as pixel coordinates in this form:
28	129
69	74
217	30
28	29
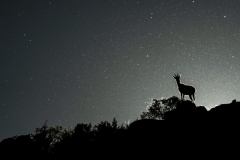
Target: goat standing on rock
185	89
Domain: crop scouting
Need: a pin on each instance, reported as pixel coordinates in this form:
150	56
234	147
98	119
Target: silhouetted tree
107	138
104	132
82	137
104	129
65	145
159	108
82	132
45	137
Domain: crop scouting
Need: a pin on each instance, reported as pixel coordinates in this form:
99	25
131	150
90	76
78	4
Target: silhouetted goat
185	89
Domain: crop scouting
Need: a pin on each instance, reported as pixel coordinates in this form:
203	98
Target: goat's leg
190	96
193	96
182	96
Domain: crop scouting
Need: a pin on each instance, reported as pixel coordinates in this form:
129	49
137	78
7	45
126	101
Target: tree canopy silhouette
46	137
158	108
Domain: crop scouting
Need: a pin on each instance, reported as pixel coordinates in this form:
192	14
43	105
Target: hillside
186	130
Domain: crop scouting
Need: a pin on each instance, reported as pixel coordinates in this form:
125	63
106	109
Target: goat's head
177	76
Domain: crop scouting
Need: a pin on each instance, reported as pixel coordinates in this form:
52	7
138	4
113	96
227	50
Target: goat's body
186	90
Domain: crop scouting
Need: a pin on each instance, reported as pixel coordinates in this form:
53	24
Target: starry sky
85	61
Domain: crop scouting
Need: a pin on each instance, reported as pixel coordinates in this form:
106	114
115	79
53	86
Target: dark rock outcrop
190	129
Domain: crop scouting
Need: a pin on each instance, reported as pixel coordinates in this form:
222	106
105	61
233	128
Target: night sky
85	61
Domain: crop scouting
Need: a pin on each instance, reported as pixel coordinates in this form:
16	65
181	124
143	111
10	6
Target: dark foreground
187	132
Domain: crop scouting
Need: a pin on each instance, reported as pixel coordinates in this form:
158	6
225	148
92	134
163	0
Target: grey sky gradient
84	61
